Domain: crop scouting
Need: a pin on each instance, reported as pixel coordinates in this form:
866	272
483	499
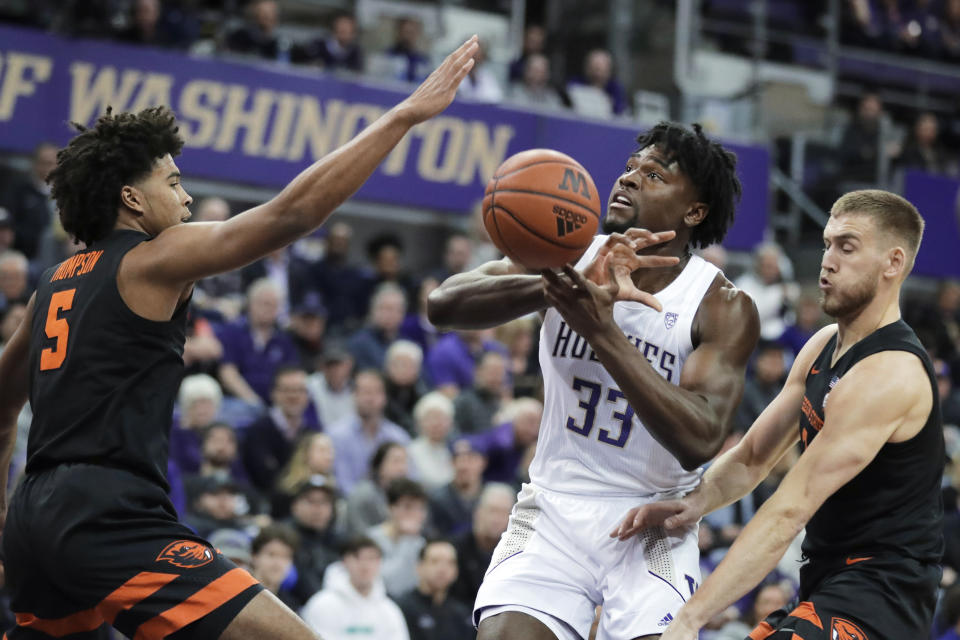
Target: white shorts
557	558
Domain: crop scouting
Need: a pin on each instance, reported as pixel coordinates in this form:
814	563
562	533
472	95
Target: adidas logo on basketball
667	619
568	221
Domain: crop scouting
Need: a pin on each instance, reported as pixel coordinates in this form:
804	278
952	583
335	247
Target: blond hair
892	214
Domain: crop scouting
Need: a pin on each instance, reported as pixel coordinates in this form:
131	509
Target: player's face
851	265
164	201
651	193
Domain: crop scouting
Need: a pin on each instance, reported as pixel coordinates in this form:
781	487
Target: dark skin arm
499	291
14	388
692	419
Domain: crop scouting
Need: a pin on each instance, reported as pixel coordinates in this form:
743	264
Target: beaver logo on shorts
841	629
186	554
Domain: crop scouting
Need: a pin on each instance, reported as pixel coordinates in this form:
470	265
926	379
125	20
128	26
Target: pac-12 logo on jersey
186	554
669	320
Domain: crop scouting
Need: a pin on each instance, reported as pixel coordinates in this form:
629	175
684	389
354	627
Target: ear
132	198
695	214
896	263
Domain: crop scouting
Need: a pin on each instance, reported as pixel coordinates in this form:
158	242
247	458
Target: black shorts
86	545
859	598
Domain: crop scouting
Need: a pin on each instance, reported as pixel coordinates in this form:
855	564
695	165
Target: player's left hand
586	307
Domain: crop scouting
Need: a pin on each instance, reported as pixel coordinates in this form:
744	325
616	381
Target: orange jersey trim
805	611
218	592
129	594
762	631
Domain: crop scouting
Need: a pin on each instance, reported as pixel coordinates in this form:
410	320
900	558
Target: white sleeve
319	613
396	623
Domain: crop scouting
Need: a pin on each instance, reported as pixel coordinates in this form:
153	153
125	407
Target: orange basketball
541	208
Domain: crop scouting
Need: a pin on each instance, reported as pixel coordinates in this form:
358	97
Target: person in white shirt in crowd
430	452
772	288
330	388
401	536
356	608
534	90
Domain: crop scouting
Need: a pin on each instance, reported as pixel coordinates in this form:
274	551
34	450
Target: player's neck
881	311
656	280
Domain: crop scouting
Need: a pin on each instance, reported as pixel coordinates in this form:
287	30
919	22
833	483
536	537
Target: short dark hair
209	429
404	488
353	546
376	461
712	170
891	213
381	241
272	532
432	541
285	370
92	169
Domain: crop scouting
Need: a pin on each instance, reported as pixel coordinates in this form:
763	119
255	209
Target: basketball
541	209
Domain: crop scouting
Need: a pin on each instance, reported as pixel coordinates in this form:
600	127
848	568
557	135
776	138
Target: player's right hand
438	90
669	514
625	258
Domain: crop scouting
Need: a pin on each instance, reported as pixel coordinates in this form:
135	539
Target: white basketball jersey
590	440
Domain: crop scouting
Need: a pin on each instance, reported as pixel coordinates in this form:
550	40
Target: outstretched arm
14	387
738	471
185	253
868	408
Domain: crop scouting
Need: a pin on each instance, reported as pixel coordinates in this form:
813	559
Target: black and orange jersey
894	504
102	379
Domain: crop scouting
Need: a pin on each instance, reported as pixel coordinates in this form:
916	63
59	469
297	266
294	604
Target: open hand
438	90
669	514
619	257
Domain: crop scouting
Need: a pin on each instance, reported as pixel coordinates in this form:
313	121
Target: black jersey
893	505
102	379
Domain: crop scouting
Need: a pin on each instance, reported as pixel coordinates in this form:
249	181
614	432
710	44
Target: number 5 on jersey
57	329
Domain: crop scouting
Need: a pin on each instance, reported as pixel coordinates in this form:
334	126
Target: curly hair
711	169
93	168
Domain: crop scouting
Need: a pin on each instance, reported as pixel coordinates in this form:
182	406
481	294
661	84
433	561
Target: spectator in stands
10	320
523	365
923	149
369	344
401	535
451	507
290	273
313	518
357	438
7	234
481	85
456	256
234	545
937	324
950	30
14	278
148	27
768	598
344	606
534	43
27	198
254	347
329	386
411	63
771	288
809	320
476	406
430	452
308	325
273	551
860	145
385	253
417	327
216	505
430	612
270	441
259	36
220	457
198	401
313	457
598	74
202	350
475	547
220	295
339	280
763	383
339	50
404	383
451	362
533	88
508	446
367	503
